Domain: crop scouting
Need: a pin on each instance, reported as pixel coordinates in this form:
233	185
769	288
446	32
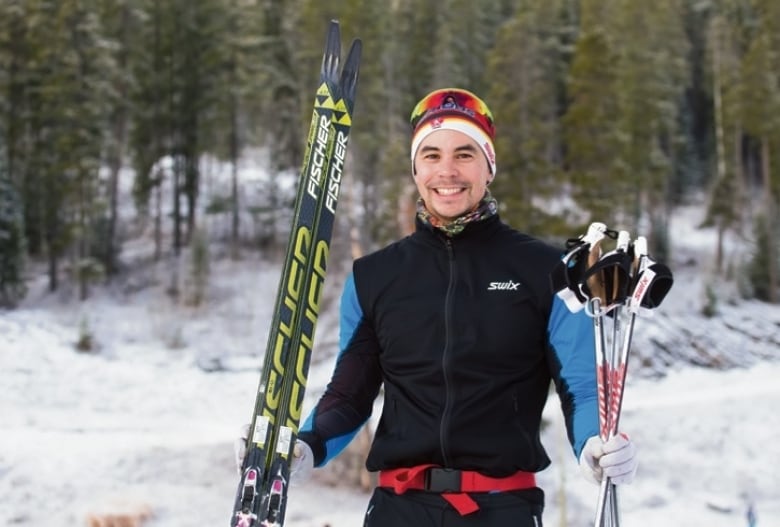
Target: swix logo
503	286
641	287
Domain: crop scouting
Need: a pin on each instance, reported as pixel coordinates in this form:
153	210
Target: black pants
424	509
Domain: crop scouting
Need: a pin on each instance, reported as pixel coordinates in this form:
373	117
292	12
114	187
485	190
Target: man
458	323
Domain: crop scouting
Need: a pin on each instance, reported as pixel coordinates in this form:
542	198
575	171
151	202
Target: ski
262	490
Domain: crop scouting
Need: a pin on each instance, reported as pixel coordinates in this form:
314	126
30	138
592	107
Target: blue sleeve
350	313
573	365
347	402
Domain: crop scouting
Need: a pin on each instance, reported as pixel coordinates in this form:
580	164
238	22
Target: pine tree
727	196
238	109
591	139
118	19
528	59
65	92
651	76
13	245
761	106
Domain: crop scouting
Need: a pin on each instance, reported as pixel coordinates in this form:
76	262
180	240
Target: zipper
448	388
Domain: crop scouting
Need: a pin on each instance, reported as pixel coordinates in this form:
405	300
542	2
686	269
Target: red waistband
452	484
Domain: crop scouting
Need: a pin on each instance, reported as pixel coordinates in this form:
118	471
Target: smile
448	191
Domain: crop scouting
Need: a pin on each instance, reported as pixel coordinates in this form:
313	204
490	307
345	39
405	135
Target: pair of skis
614	286
261	497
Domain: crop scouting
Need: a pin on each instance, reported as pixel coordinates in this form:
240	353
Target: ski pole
607	510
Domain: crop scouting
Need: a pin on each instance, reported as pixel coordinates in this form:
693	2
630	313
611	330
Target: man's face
452	173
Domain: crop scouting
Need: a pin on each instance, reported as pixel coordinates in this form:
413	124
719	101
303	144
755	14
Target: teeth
447	191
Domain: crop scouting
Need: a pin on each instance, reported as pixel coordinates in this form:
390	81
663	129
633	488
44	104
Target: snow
148	419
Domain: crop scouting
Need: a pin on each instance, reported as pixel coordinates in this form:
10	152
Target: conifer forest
606	110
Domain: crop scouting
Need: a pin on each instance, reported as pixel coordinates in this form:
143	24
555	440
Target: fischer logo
336	170
319	151
503	286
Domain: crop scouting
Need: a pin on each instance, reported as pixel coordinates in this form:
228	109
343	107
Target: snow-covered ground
148	419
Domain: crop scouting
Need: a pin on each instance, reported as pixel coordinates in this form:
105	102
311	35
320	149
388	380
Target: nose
447	166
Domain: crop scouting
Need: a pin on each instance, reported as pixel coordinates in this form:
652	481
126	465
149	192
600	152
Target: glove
302	462
615	459
239	447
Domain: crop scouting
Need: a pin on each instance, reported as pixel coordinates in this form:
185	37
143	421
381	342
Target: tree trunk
176	194
234	153
116	152
53	279
720	147
771	247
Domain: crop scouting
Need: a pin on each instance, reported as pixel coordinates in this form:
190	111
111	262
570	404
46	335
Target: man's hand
615	459
302	461
239	447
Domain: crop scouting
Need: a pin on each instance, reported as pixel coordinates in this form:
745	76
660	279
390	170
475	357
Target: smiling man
458	325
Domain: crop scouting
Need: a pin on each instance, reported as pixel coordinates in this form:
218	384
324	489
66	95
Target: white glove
615	459
239	447
302	461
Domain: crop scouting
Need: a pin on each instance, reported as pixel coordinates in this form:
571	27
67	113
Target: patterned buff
484	209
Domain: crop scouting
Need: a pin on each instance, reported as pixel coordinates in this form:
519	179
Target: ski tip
332	55
334	30
349	76
355	50
334	34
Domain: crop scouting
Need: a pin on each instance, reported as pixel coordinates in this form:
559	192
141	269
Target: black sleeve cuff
316	444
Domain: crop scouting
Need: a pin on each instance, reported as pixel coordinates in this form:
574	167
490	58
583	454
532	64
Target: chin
449	216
